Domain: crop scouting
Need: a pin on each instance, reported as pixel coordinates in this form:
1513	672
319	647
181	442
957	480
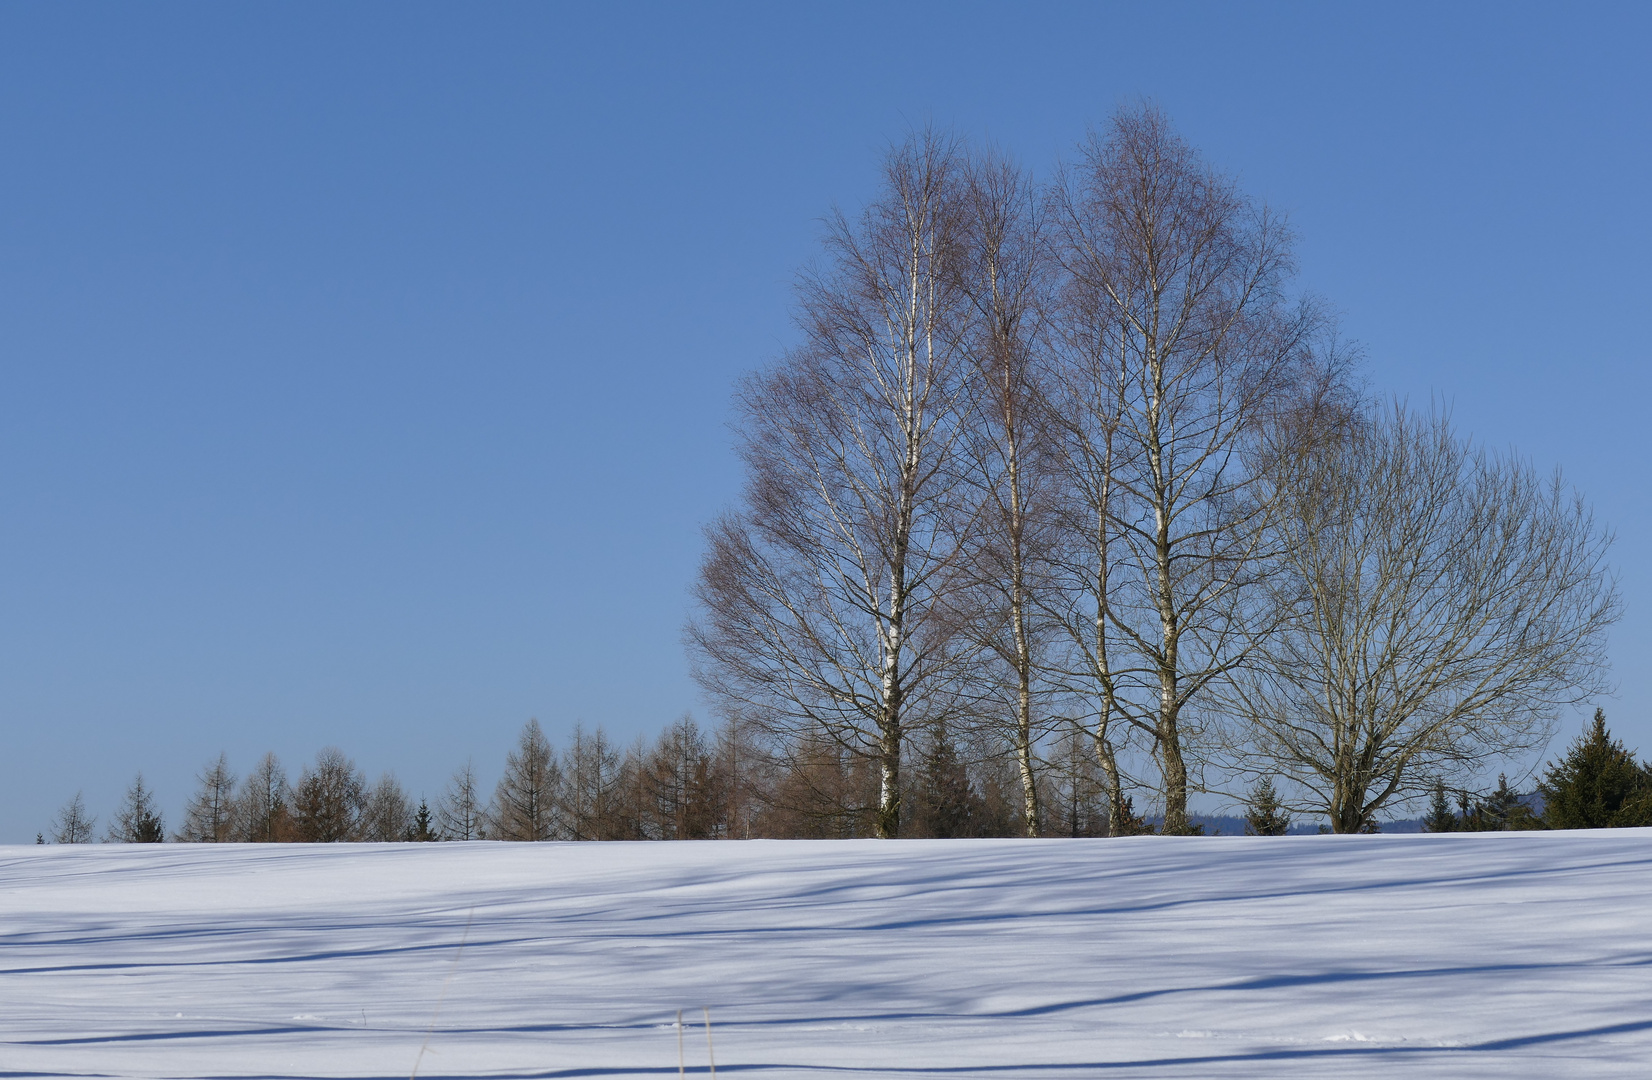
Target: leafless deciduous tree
459	811
209	818
1178	341
822	601
1437	605
682	782
329	800
1003	266
263	807
387	812
525	802
138	821
73	825
594	789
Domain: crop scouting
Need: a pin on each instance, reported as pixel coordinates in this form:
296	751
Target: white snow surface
1502	954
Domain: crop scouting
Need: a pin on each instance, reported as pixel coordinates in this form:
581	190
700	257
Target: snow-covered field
1506	955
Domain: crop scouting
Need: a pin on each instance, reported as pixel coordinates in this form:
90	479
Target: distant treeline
692	784
688	783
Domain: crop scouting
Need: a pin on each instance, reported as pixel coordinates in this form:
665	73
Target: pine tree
210	816
1266	817
525	802
73	824
1439	817
1597	785
138	821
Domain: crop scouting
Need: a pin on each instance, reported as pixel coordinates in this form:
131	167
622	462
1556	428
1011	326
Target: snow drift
1503	954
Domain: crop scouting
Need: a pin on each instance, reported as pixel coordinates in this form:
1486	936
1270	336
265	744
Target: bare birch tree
1179	342
1004	275
822	600
209	817
1438	606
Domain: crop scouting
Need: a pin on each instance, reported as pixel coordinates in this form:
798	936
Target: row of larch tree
685	784
1068	462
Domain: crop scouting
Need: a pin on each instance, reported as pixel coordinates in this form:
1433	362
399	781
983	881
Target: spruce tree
1265	816
1439	817
1126	822
1597	785
945	805
423	826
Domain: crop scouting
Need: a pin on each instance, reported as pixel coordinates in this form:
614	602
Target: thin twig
680	1071
443	995
710	1056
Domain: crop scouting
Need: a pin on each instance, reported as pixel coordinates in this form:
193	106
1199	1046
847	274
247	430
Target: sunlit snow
1505	954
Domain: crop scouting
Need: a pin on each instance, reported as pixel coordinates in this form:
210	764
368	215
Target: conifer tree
138	821
1501	811
945	804
424	829
263	812
1597	785
1266	817
387	813
330	800
1439	817
73	825
459	812
210	816
525	802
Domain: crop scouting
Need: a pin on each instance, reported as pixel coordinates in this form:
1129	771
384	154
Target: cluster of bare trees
1067	465
685	784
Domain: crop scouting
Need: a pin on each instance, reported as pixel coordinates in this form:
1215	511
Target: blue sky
365	369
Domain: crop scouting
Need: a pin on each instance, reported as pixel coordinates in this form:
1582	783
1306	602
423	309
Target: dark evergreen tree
1501	811
1265	816
946	805
1126	822
423	826
1597	785
1439	817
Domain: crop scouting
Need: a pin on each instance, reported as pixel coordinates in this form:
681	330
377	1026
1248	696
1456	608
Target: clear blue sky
365	369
